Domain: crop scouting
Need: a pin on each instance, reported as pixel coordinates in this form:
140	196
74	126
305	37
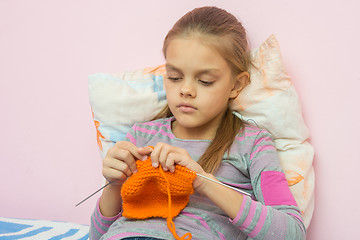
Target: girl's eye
205	83
174	78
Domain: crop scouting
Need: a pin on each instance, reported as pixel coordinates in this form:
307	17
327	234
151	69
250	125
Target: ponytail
229	127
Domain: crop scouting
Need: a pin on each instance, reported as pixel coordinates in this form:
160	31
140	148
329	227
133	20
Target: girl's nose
187	90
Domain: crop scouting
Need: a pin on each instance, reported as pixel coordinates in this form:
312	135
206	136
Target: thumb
145	151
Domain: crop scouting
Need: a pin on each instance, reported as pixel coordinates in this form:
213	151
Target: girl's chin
187	121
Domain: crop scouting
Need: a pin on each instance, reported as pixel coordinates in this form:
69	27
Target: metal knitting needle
223	184
93	193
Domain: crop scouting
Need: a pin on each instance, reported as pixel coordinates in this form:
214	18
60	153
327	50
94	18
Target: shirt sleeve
131	135
274	214
100	224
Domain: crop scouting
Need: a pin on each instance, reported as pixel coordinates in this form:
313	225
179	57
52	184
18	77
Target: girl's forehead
192	53
203	70
196	40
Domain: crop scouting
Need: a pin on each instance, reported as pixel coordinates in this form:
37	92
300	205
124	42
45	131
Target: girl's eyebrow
203	71
171	67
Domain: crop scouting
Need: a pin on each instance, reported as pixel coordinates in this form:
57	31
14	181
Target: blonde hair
222	31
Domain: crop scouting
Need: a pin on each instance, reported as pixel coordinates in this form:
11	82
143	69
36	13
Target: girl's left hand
168	156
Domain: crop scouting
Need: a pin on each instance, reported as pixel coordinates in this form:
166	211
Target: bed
12	228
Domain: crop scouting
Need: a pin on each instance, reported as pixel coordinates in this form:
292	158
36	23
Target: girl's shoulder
251	133
155	124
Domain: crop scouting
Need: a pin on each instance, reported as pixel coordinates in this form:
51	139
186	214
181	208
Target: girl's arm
254	218
225	198
110	200
118	165
273	216
100	223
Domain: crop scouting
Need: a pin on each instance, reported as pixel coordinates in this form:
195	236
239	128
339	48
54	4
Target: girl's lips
186	108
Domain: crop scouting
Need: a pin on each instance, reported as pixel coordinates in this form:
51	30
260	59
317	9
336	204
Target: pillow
119	100
271	102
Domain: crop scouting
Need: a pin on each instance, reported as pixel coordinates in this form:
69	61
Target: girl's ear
241	81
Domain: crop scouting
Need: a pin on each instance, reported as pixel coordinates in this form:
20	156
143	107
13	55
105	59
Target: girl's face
198	88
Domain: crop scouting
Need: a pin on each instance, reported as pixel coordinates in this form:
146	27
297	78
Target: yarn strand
170	223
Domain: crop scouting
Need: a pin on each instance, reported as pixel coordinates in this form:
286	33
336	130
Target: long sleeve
100	224
274	214
251	165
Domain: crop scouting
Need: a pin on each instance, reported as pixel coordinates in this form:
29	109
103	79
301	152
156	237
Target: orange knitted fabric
151	192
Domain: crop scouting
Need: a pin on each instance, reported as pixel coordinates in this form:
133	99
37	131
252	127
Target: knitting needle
93	194
198	174
223	184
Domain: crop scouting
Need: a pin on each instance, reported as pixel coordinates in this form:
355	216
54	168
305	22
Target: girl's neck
192	133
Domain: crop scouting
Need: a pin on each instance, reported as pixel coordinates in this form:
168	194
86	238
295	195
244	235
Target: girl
206	56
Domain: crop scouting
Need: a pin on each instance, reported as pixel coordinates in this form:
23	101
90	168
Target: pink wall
48	152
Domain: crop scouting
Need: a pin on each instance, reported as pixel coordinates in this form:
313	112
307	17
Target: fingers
113	174
170	161
124	160
130	147
167	156
145	151
155	155
120	161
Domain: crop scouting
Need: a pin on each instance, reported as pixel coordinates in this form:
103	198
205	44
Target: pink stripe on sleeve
202	221
222	237
100	222
101	218
98	228
152	132
131	138
250	216
238	215
261	148
144	130
241	138
171	136
262	139
159	124
260	222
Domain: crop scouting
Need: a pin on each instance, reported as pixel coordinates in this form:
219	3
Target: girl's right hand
119	162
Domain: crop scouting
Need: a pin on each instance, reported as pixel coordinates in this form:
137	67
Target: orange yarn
151	192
